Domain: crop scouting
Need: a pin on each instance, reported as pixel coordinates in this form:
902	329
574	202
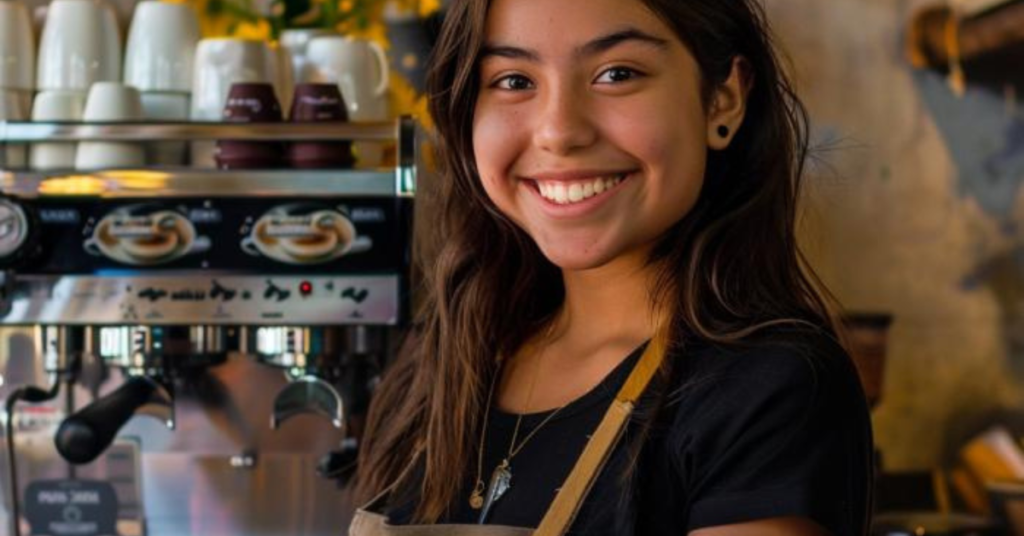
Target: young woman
619	196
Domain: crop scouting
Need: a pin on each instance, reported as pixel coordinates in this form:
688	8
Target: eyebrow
591	48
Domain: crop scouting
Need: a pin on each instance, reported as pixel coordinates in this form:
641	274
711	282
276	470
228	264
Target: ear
729	105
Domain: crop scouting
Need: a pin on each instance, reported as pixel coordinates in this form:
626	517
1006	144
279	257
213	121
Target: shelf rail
174	181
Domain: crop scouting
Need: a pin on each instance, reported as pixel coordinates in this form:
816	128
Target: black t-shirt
780	428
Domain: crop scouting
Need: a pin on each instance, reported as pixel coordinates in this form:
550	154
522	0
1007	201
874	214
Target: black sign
73	233
71	508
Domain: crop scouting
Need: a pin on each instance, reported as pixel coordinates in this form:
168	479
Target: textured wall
915	210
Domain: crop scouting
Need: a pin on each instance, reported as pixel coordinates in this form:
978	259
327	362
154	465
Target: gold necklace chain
476	499
512	449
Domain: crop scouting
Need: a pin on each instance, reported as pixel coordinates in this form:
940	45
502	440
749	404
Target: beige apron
566	504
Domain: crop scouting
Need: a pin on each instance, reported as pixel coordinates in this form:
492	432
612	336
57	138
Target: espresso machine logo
300	234
145	236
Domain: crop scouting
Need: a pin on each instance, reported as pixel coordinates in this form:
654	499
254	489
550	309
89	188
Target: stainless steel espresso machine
203	342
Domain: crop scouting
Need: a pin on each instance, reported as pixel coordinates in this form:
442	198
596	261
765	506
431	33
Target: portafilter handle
84	435
340	464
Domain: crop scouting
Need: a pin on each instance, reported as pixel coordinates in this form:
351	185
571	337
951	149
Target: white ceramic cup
12	108
296	42
161	47
111	102
55	105
17	47
161	106
169	107
359	67
113	44
80	45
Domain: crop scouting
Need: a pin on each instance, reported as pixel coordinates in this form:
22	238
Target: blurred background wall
915	209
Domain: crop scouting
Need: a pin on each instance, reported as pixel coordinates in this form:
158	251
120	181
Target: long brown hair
728	268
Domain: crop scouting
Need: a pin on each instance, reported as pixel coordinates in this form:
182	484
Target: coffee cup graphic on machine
302	234
143	235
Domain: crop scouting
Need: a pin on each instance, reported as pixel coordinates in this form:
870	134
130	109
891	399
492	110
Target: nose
565	123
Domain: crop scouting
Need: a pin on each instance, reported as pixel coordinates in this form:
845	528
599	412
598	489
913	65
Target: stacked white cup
55	106
17	71
159	63
111	102
80	45
296	42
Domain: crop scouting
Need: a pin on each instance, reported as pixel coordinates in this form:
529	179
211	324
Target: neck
609	303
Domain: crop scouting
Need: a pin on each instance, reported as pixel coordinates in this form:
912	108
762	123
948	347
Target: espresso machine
209	338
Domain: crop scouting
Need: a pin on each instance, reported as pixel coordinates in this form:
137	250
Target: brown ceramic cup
250	103
316	103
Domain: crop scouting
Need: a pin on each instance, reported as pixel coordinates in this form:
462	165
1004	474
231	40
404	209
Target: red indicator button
306	288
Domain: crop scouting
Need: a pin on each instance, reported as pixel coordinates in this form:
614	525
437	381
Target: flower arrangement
245	18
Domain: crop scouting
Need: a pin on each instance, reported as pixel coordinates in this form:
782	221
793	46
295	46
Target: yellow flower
428	7
253	30
404	100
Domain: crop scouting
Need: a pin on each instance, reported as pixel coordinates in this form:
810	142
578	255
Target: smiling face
590	130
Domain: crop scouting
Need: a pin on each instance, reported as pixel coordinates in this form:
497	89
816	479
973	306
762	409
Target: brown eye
514	82
616	75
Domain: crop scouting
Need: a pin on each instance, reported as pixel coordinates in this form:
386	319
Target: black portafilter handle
84	435
340	464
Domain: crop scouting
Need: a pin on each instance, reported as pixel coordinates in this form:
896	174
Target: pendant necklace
483	498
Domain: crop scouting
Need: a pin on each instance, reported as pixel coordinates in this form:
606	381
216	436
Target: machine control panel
211	300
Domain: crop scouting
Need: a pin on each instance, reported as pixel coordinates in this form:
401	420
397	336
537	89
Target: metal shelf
32	132
180	182
195	183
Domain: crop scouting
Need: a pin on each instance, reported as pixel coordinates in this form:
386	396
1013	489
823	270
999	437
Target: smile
571	192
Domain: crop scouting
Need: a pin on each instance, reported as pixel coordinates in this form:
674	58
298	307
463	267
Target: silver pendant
501	481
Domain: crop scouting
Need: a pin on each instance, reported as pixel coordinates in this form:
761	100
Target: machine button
218	291
354	294
275	292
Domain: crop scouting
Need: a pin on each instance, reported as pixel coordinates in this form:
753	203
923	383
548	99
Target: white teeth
559	194
575	193
564	194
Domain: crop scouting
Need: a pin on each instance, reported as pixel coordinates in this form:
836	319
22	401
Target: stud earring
723	131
